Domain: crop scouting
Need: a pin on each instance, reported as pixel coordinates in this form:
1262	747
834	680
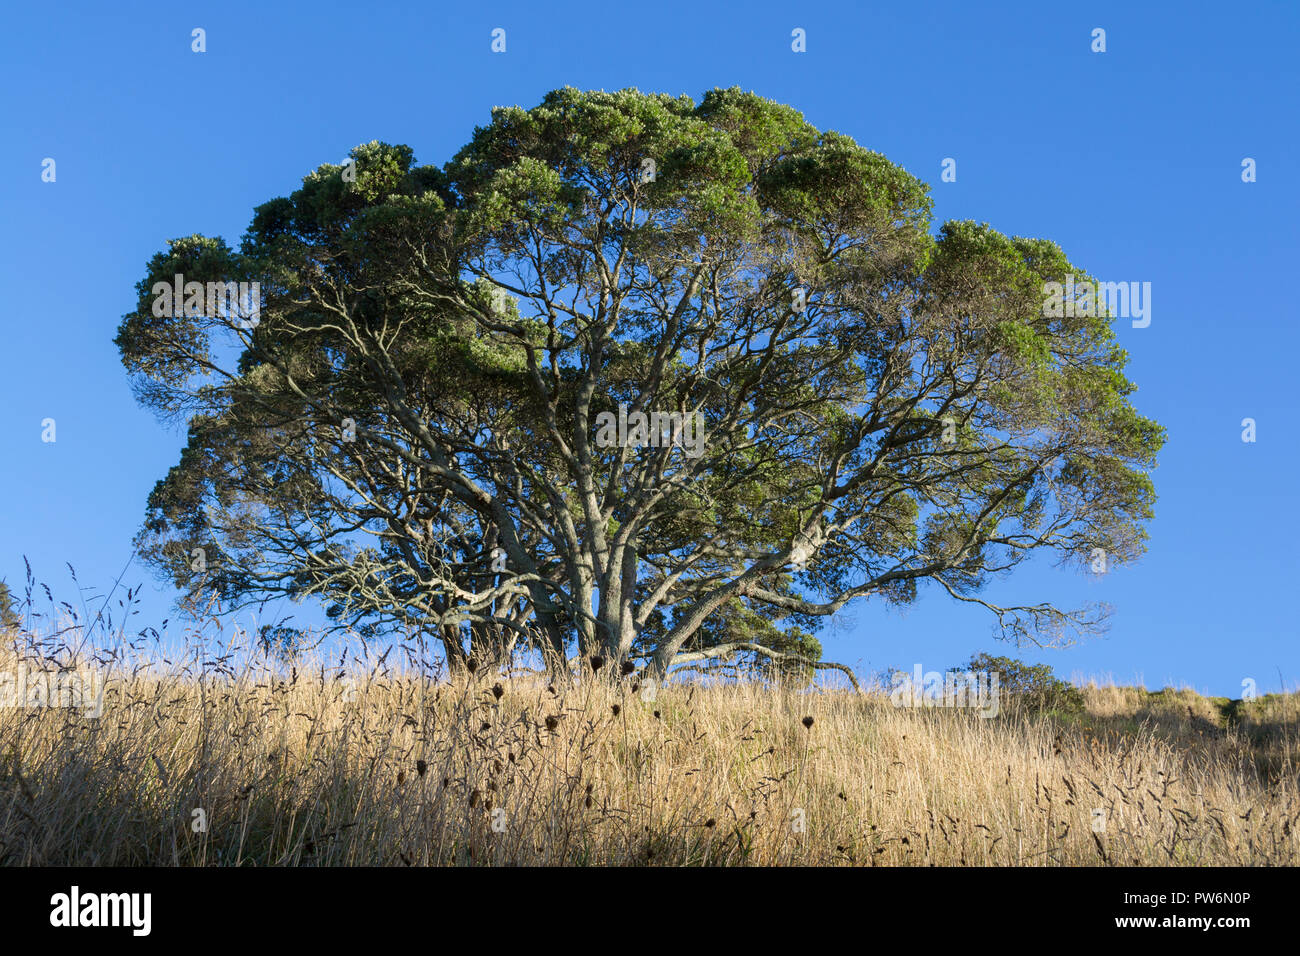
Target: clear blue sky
1130	159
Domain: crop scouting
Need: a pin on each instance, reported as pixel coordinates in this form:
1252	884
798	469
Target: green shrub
1030	686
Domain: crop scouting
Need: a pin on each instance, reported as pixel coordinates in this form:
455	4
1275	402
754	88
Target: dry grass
292	766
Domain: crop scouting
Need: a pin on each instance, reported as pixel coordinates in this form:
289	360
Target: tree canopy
414	422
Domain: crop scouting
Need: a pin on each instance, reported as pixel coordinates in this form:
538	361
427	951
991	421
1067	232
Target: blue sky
1130	159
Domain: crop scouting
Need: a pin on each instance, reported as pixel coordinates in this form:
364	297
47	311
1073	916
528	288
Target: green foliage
281	641
917	418
8	615
1032	687
789	636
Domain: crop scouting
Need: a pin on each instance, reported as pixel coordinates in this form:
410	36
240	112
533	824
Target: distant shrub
284	643
1030	686
8	616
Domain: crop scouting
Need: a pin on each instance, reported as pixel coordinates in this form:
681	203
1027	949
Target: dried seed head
401	777
627	668
710	823
615	708
471	665
597	662
498	691
552	722
656	715
421	767
807	723
485	727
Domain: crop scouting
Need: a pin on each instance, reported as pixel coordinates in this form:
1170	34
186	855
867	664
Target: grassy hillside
294	766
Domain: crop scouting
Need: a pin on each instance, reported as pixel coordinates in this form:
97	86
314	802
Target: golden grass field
295	767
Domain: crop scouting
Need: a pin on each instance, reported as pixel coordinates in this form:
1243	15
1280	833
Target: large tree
413	425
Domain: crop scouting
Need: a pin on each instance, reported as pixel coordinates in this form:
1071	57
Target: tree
433	415
1032	686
